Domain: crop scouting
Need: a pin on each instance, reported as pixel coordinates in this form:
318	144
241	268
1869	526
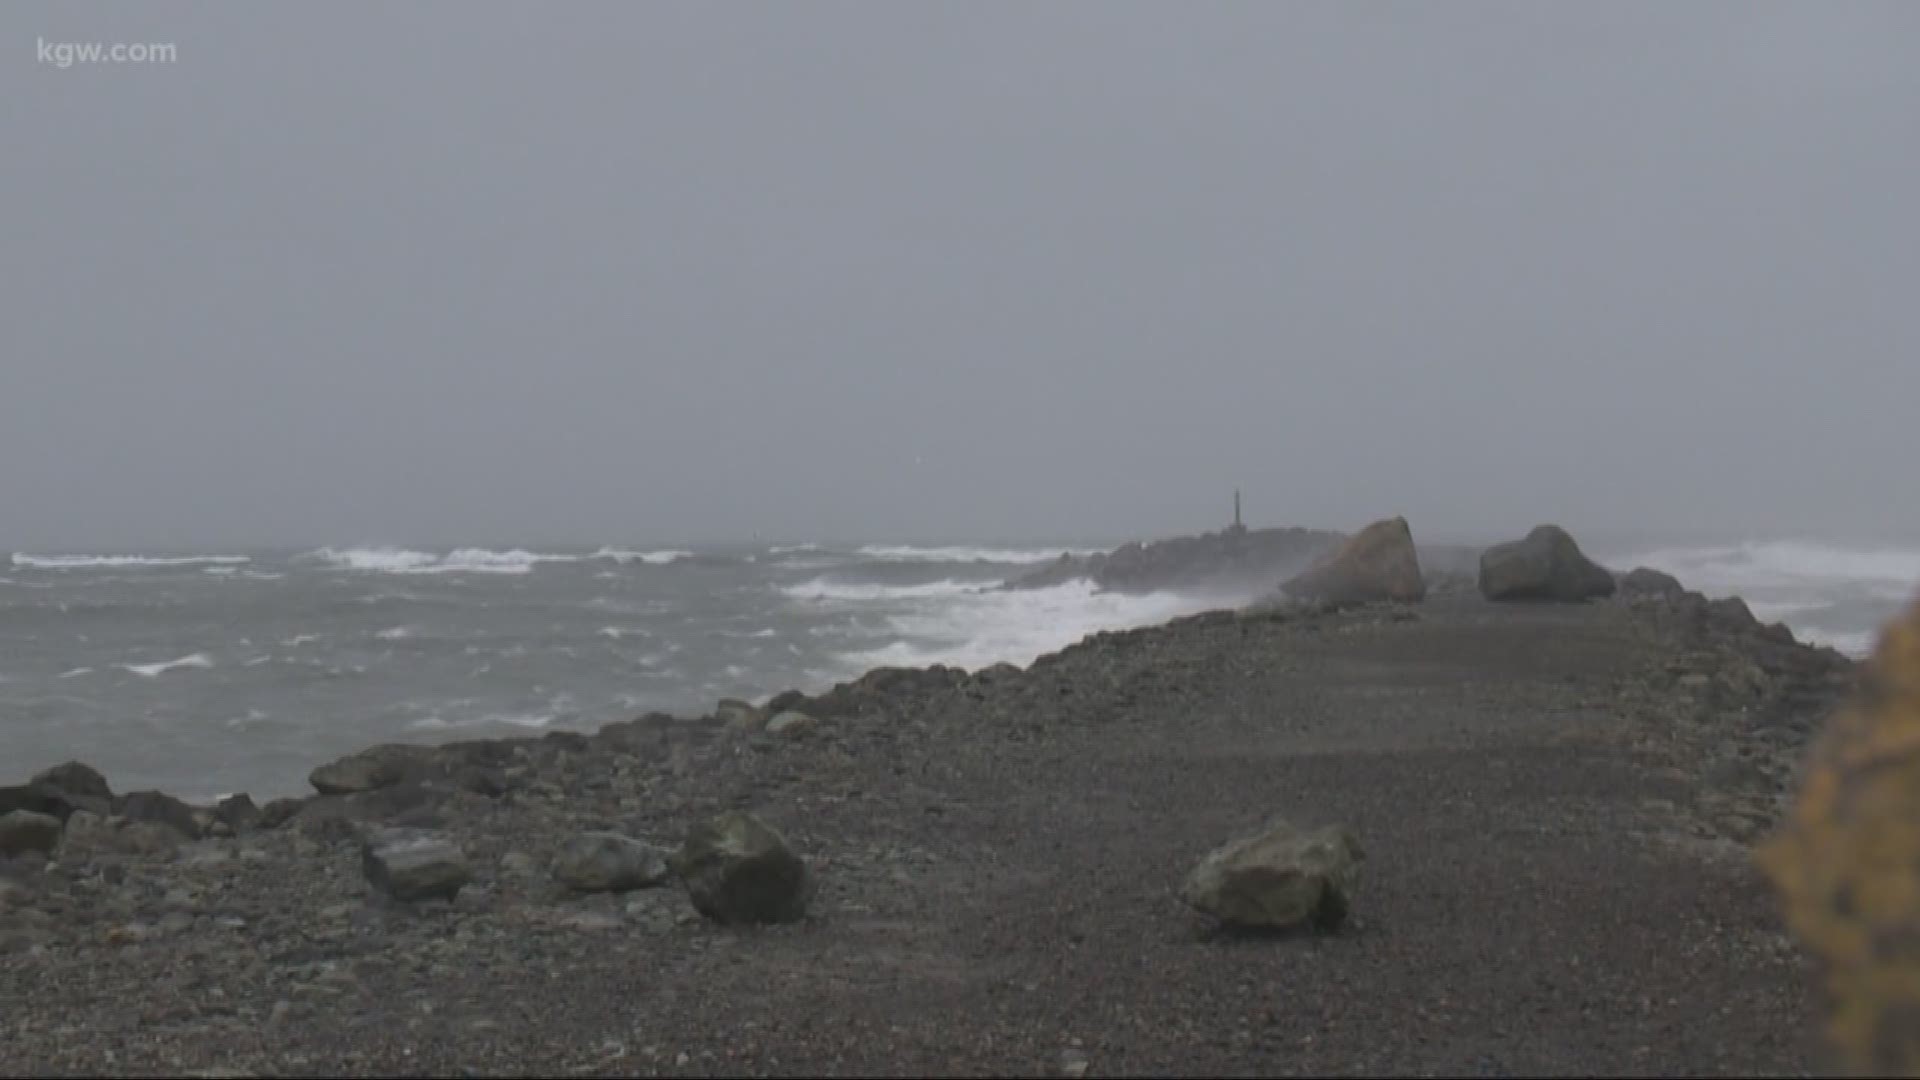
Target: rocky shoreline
1556	801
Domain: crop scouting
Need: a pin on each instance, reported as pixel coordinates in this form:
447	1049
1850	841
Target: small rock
737	869
1280	878
237	812
519	864
22	831
1072	1064
739	715
609	862
414	866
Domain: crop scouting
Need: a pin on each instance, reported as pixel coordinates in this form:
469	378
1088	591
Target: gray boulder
737	870
370	769
1283	877
1547	565
1641	581
735	713
1376	563
609	862
80	783
160	808
409	865
23	831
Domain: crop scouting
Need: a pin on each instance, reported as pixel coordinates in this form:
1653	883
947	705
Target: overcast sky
478	273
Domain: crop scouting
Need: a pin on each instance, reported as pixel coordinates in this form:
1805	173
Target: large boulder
1644	582
1547	565
81	783
1376	563
23	831
370	769
1283	877
737	870
161	809
409	865
609	862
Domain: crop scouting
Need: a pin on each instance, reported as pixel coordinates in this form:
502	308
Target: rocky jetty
982	872
1546	565
1376	564
1233	560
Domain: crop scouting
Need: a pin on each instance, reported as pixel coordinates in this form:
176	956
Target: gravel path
1554	803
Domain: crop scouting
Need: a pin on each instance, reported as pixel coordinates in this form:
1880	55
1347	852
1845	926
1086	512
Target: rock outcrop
1232	559
1281	878
1377	563
737	870
610	862
1547	565
1848	863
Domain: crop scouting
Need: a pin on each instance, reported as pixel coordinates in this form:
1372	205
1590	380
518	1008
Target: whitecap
195	660
394	633
651	558
969	553
75	673
88	562
300	639
392	560
828	589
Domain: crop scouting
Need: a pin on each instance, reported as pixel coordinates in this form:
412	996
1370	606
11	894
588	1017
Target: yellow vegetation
1848	862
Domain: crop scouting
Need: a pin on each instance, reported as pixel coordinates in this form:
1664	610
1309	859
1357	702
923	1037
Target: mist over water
225	671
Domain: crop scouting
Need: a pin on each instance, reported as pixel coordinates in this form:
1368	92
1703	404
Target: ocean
203	674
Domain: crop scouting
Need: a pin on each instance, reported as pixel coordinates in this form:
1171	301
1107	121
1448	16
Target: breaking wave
196	660
967	553
829	589
92	562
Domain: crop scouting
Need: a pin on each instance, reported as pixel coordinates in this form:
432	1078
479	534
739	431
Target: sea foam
94	562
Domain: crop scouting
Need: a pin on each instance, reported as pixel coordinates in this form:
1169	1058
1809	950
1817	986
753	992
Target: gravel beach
1556	804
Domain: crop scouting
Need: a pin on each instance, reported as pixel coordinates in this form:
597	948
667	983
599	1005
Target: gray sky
471	273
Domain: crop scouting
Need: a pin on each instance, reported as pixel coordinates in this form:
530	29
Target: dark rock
23	831
1547	565
785	700
1642	581
278	812
238	812
609	862
38	798
737	870
407	865
1281	878
1732	615
160	808
739	715
1375	564
371	769
81	783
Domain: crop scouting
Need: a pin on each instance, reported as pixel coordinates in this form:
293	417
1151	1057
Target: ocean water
202	674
